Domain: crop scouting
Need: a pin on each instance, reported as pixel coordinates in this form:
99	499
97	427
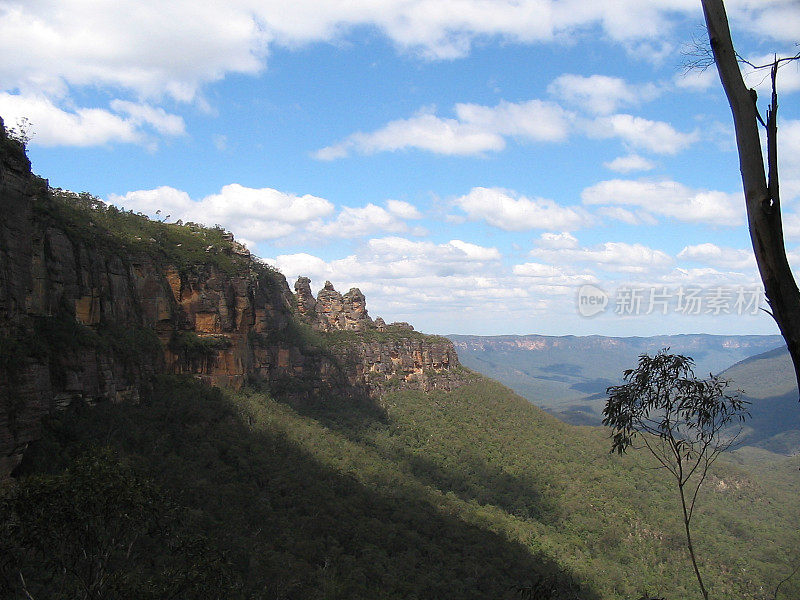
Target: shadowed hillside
473	493
768	381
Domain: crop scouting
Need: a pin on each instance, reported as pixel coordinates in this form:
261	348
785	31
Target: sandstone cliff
95	301
376	355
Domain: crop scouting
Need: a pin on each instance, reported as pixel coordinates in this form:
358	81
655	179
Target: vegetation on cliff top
186	246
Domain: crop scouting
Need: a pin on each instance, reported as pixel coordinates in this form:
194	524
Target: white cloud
268	214
705	277
535	120
454	251
425	132
600	94
476	130
655	136
776	19
539	274
475	252
629	163
789	159
357	222
396	263
669	199
255	214
510	212
54	126
791	225
610	256
175	48
697	80
402	209
157	118
711	254
557	240
157	48
787	81
624	215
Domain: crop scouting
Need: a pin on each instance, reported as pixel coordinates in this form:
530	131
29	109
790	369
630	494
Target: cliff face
376	356
90	313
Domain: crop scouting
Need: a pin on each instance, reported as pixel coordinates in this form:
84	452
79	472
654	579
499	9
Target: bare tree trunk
689	543
761	196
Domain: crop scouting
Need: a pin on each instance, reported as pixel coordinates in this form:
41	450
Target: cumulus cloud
534	120
654	136
475	130
55	126
791	225
508	211
539	274
629	163
360	221
153	51
457	281
157	118
668	199
396	262
778	19
624	215
600	94
156	51
255	214
51	126
557	240
424	132
610	256
260	214
788	79
789	158
711	254
403	209
708	277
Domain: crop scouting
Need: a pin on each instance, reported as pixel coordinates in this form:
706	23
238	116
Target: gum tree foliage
684	422
760	179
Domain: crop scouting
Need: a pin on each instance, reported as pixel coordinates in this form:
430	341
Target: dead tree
762	198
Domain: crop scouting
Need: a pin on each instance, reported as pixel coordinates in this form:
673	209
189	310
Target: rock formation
89	315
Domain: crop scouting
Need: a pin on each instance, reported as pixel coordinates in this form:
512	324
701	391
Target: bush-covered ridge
466	494
185	246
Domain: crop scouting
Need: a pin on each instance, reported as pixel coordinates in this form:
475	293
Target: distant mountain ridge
568	375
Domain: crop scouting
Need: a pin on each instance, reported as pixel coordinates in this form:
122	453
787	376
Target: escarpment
95	301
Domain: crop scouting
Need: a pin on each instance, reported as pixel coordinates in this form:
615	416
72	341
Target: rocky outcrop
426	364
381	356
90	314
332	311
306	303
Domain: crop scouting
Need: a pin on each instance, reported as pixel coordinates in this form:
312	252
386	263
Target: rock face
85	320
382	356
402	363
332	311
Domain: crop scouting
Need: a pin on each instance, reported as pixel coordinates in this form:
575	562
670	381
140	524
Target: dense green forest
475	493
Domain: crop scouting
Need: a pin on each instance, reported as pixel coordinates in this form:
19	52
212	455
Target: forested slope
472	493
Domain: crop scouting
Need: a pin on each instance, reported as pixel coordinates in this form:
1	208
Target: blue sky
468	164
